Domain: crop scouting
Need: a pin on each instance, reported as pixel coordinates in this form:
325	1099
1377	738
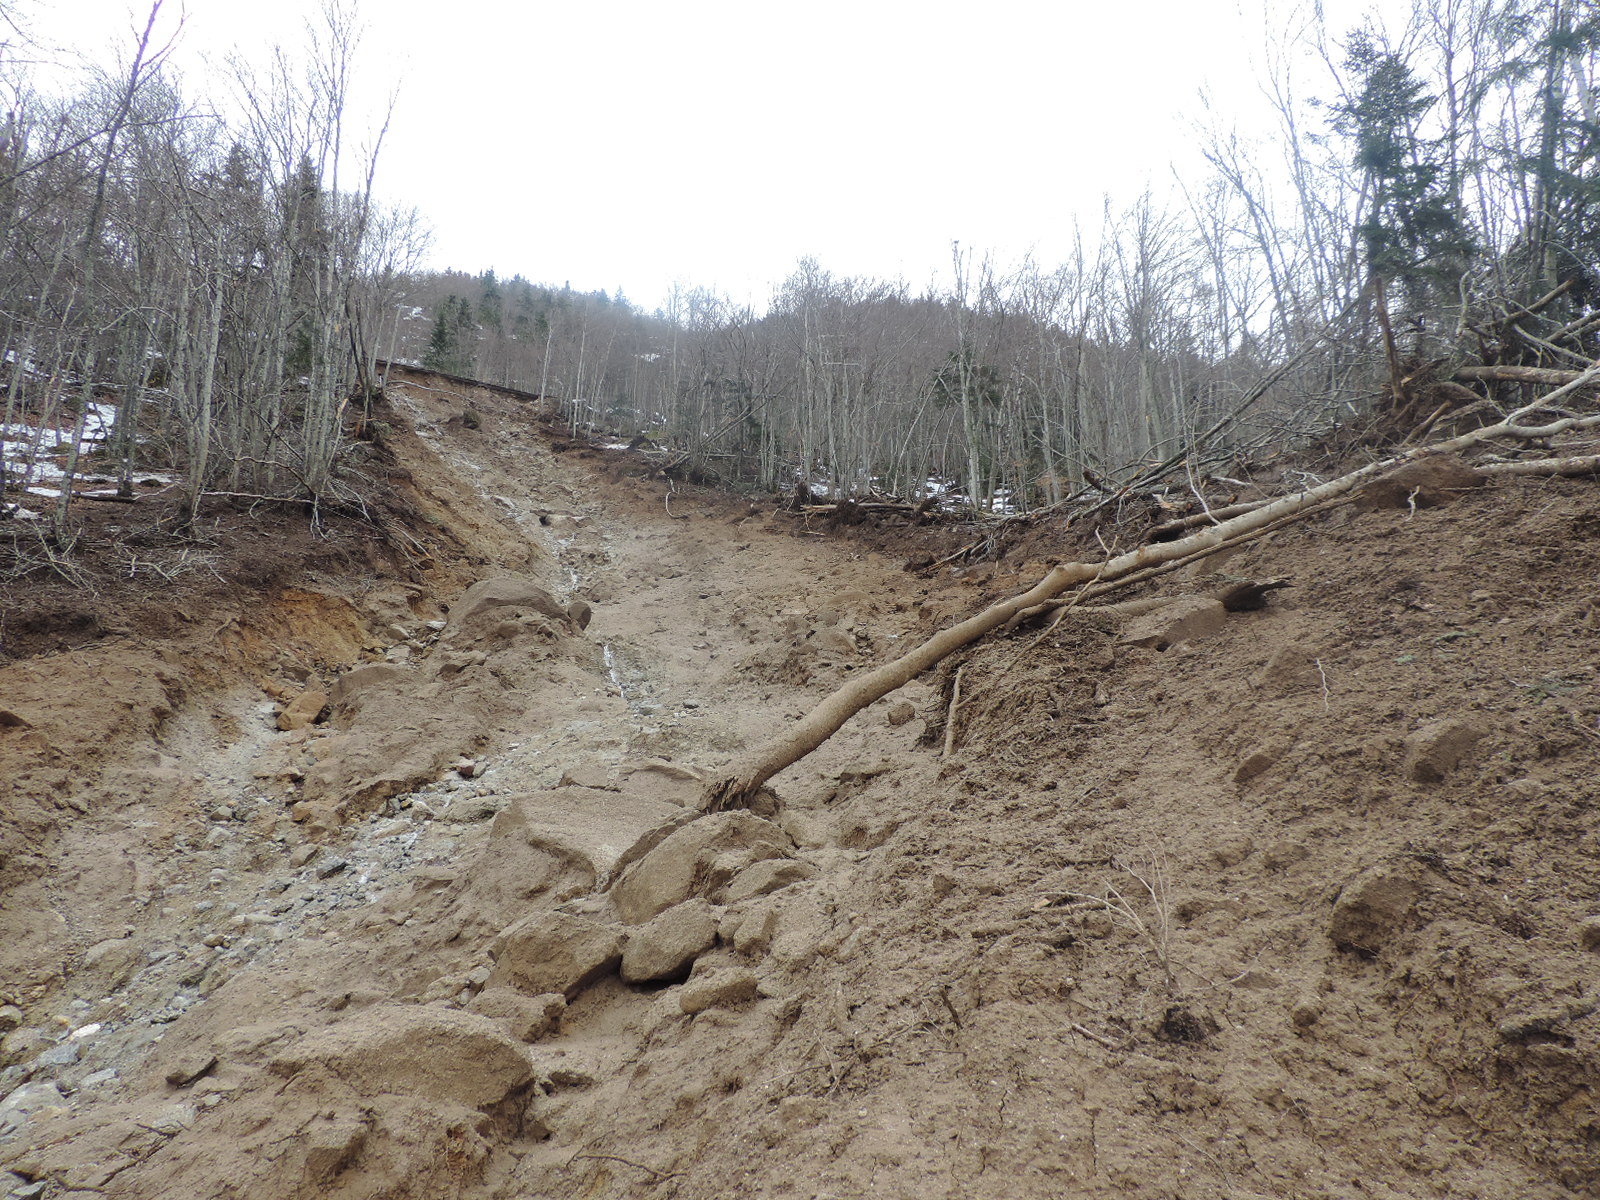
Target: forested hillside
1419	235
217	280
1416	235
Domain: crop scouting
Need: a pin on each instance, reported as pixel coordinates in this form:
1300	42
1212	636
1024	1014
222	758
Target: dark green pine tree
1414	234
450	346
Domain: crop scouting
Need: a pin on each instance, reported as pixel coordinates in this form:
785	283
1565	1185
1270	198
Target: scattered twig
654	1174
1108	1043
950	715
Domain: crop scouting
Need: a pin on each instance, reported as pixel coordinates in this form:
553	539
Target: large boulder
696	860
665	947
1436	749
555	952
507	592
416	1050
1375	906
1184	620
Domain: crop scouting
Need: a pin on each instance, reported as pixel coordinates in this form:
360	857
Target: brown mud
343	865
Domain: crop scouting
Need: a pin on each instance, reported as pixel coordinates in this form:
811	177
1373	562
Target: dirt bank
378	874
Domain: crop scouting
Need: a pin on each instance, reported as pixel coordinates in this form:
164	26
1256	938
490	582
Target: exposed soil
1304	905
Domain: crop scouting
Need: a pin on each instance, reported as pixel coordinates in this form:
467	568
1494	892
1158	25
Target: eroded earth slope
373	868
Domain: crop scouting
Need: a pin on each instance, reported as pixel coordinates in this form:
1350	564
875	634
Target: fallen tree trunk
1587	464
743	778
1509	374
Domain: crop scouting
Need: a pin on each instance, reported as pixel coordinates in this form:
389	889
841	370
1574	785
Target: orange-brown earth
1304	905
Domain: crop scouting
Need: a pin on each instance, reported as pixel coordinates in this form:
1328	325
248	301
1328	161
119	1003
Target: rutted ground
1300	907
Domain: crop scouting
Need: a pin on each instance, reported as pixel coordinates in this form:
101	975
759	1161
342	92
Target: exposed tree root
745	776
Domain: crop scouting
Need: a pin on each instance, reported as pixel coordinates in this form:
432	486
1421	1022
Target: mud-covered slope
1300	904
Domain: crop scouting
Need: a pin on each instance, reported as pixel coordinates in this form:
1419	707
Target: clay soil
1304	907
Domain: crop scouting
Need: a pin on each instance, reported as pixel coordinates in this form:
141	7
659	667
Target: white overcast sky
633	144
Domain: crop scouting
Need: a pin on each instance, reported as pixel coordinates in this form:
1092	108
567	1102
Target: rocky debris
331	1141
1589	933
1374	906
1436	749
658	766
579	613
769	875
528	1018
568	840
507	592
66	1054
594	778
467	768
350	686
719	988
1183	620
10	1018
22	1044
301	855
1545	1023
900	713
665	947
696	860
29	1099
1425	482
555	952
189	1066
429	1051
1258	761
751	930
109	964
305	709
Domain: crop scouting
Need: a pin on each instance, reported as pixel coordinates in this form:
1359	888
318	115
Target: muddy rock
30	1098
528	1018
508	592
1426	482
111	963
303	710
348	688
555	952
665	947
718	989
751	930
569	839
1589	933
594	778
1433	751
762	878
22	1044
1183	620
682	864
1374	906
415	1050
331	1141
900	713
1258	761
189	1066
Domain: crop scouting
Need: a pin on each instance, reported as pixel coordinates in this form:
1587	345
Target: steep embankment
1300	903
